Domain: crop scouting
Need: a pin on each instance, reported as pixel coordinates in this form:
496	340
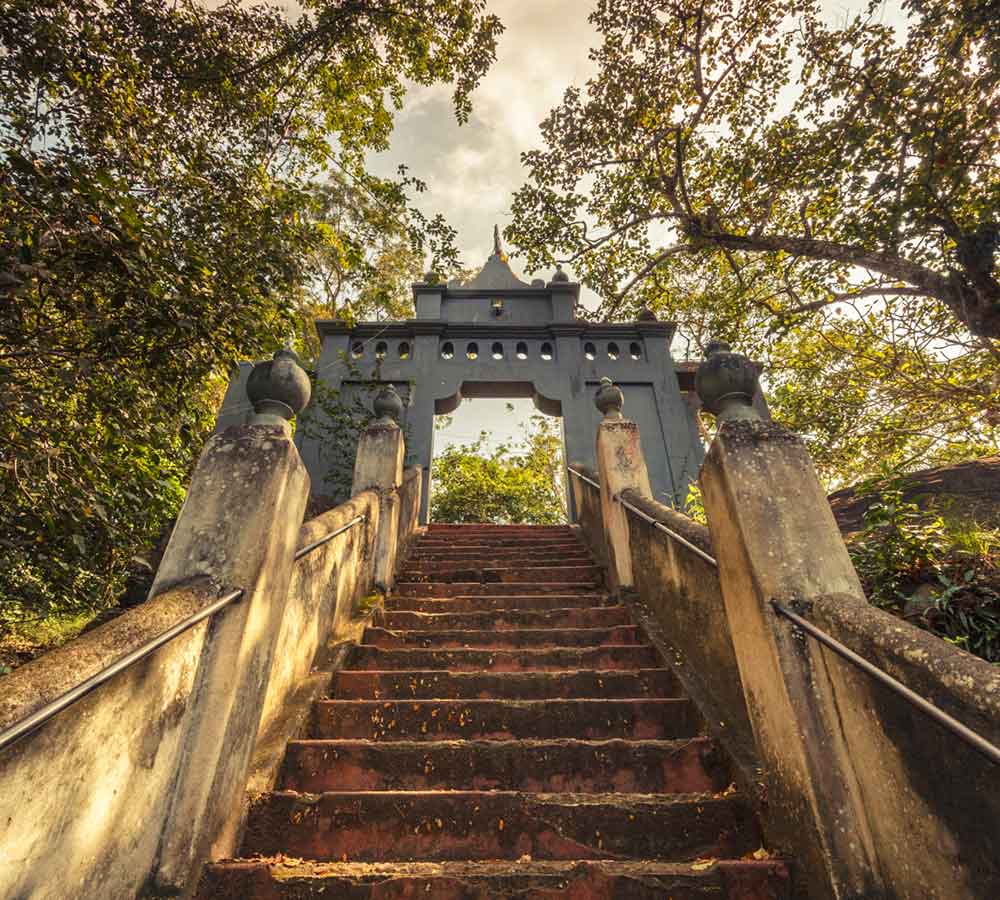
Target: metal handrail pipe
583	477
319	542
683	541
970	737
42	715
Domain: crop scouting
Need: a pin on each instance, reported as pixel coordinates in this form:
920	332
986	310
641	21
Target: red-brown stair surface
503	730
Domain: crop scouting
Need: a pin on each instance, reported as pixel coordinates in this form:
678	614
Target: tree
160	219
870	386
818	164
511	484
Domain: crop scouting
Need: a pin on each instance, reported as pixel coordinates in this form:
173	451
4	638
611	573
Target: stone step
507	620
493	589
496	603
647	767
423	563
294	879
496	526
487	541
630	656
522	637
450	825
352	684
504	720
451	552
521	574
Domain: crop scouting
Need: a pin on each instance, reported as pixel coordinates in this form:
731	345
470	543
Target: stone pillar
379	467
621	466
239	526
776	539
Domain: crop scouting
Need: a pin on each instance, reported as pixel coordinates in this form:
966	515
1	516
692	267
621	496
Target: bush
940	575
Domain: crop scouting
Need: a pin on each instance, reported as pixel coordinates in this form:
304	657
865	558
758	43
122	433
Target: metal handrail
583	477
970	737
654	522
694	548
308	548
42	715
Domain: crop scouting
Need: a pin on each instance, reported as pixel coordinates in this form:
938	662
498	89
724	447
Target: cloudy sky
471	170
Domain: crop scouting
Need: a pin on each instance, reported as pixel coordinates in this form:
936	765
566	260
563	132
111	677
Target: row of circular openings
381	349
634	351
496	351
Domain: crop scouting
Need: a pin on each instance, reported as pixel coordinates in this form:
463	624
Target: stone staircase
505	730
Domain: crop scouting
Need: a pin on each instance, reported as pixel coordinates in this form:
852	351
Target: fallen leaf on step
699	865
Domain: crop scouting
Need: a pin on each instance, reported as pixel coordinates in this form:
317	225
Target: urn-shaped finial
388	405
560	276
279	389
726	383
609	399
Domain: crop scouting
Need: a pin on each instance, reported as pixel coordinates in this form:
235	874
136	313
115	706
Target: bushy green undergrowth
940	574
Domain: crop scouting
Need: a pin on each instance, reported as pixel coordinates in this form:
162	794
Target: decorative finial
388	405
726	383
497	244
560	277
609	399
646	315
279	389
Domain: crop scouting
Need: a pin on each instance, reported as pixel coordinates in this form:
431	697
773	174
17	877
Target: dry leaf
699	865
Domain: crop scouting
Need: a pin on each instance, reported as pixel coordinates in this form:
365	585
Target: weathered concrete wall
587	502
79	796
934	802
683	593
409	510
239	525
323	596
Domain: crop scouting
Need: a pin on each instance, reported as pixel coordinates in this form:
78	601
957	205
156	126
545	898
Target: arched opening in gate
498	456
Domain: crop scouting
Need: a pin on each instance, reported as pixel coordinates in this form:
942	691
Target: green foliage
809	159
176	184
823	195
942	576
511	484
694	504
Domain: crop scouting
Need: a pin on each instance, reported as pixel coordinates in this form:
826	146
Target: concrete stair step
507	620
260	879
524	573
424	563
684	767
382	826
523	637
492	589
434	527
504	720
351	684
630	656
488	541
532	552
496	603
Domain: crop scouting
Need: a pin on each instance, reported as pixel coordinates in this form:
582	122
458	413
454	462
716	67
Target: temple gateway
498	336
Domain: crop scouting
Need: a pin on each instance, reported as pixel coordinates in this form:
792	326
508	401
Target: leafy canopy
823	197
520	483
160	218
816	161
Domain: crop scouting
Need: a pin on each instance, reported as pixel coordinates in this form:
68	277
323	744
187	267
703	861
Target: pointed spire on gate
496	275
497	246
